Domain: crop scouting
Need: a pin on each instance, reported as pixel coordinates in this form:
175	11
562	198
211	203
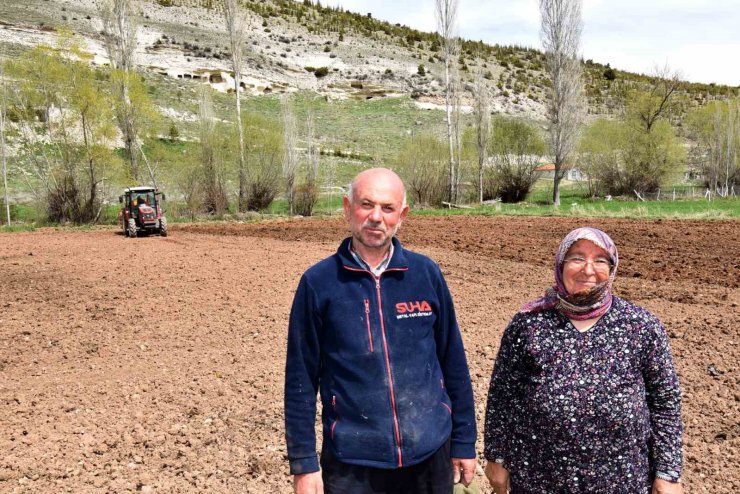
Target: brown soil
156	364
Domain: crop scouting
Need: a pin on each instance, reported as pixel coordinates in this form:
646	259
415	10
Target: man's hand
308	483
661	486
463	470
498	477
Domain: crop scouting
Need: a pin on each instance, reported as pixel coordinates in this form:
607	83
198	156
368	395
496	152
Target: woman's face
585	265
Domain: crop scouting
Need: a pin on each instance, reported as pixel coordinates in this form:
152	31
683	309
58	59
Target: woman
584	396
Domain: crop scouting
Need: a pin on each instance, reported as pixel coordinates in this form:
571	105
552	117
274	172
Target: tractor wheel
125	230
163	226
131	228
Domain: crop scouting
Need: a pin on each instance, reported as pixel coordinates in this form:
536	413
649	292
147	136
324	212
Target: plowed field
156	364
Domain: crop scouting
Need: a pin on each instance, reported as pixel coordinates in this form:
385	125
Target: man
373	329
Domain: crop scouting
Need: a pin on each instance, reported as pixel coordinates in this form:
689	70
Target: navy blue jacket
386	355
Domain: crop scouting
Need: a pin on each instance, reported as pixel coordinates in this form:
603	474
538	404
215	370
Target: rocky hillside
298	46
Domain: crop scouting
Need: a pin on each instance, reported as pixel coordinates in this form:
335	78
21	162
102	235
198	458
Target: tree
214	196
307	194
655	103
3	106
620	157
446	14
715	131
600	156
421	162
290	161
119	34
650	158
517	148
561	37
652	151
69	153
263	139
235	24
482	114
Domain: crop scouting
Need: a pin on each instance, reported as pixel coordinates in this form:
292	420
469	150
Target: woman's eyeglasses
599	264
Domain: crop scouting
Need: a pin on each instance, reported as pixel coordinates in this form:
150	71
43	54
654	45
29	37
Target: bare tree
312	162
2	147
657	102
214	197
290	161
561	28
725	150
119	31
446	14
732	141
307	194
235	25
482	115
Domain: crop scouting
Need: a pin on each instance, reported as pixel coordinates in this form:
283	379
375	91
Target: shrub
421	70
422	162
516	151
174	133
609	73
261	196
321	72
306	197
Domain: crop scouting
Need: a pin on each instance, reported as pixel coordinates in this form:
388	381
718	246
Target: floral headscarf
591	304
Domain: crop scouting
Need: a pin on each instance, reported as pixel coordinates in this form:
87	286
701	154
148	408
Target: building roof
140	188
550	167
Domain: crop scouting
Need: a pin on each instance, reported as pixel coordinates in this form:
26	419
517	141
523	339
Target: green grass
25	213
686	209
371	129
326	205
17	228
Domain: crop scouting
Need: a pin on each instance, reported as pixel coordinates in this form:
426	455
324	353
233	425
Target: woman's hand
498	477
661	486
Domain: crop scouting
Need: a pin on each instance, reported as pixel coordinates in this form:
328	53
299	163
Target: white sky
699	38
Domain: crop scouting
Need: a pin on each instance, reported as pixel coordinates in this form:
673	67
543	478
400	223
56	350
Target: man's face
376	210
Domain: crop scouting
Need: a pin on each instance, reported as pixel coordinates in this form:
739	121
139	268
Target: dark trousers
431	476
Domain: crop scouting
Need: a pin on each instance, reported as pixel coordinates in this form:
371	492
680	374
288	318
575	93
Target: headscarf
591	304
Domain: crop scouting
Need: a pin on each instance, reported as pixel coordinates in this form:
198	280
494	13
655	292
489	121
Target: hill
367	84
287	41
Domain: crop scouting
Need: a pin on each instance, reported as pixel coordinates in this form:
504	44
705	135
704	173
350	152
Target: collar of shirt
378	270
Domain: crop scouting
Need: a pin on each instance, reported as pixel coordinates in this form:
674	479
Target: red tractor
142	211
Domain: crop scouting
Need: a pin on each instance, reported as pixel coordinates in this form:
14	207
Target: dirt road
156	364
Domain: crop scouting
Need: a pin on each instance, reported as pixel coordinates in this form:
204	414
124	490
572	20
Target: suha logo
413	309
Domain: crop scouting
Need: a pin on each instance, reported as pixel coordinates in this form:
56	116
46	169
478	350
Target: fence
686	193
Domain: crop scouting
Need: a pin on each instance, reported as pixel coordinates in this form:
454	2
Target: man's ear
346	206
404	212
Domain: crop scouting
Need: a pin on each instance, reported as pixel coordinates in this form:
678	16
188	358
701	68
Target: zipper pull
367	306
334	402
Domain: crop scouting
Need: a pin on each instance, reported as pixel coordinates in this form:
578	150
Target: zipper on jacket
396	427
367	318
390	374
336	415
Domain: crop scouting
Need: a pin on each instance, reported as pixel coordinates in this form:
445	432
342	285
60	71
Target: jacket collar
397	262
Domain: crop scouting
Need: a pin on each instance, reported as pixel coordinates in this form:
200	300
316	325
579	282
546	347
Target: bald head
375	207
377	178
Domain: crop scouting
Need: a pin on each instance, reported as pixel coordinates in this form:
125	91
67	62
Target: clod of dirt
713	371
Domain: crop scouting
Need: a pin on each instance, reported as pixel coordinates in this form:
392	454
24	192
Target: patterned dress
595	412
